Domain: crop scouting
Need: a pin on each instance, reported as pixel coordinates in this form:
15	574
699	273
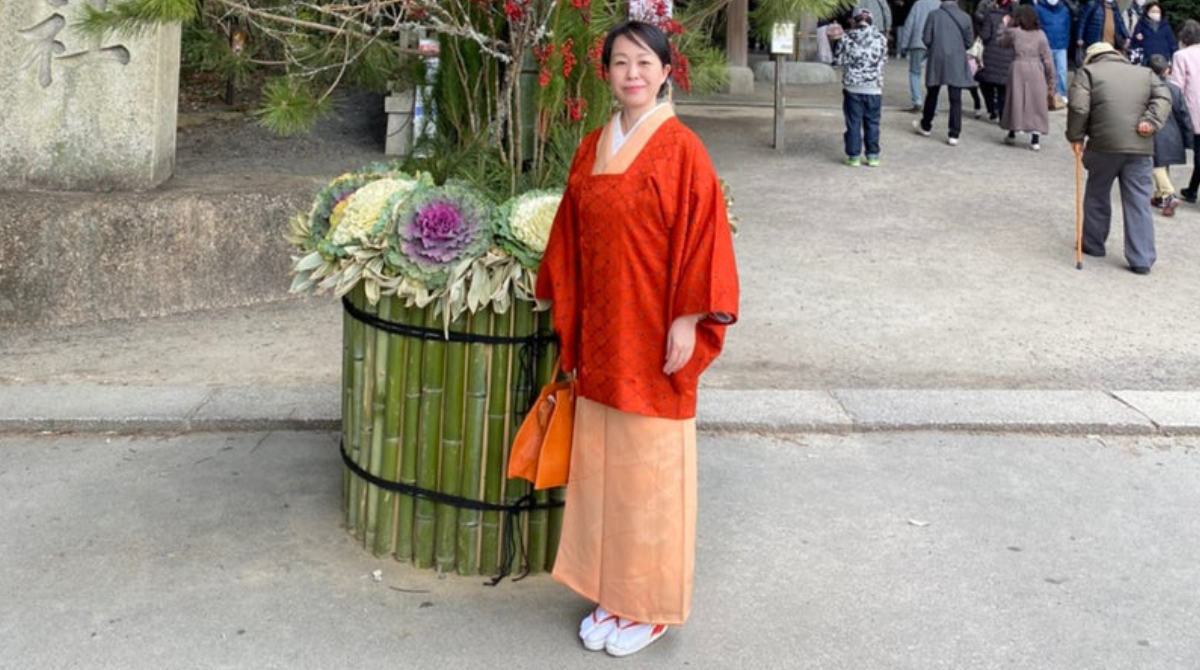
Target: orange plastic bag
541	451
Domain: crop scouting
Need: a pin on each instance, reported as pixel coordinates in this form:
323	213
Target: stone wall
197	243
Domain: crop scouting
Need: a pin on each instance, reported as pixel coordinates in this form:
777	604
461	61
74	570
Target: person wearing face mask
1152	36
1055	18
1101	22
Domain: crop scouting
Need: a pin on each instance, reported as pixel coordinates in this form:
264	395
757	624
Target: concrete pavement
143	409
875	551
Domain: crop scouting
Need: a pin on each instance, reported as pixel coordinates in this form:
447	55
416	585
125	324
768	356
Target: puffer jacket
862	55
1091	24
1109	97
997	59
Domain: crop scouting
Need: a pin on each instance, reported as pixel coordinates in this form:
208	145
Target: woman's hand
681	343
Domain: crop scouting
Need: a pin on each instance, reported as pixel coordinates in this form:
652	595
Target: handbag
541	451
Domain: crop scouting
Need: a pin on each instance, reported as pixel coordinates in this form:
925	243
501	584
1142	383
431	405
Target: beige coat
1030	80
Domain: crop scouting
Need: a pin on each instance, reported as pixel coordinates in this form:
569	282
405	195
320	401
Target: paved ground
225	551
946	268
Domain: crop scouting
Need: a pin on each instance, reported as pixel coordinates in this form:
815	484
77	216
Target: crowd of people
1133	103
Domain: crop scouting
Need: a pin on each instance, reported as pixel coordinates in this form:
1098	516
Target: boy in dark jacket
1170	141
862	55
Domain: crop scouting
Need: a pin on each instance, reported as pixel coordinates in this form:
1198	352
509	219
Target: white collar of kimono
619	137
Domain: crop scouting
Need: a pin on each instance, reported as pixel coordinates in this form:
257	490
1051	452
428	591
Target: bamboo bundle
474	416
441	416
385	537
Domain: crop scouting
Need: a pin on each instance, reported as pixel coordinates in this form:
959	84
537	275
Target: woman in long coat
993	77
640	270
1030	78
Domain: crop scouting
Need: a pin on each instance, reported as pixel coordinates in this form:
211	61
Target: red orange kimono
641	238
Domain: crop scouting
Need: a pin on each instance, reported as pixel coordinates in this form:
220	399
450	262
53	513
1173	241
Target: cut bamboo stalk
539	520
347	404
521	390
378	415
410	435
496	449
433	370
449	478
474	419
385	531
366	417
355	449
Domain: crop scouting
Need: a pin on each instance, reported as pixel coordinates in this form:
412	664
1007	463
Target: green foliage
770	12
206	49
1178	11
290	107
132	17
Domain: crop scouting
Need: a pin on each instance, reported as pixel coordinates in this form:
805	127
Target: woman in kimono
640	270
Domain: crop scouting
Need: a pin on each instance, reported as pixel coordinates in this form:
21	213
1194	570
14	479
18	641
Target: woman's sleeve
703	267
558	279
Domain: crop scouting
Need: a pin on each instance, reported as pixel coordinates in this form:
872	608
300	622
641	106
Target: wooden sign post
783	43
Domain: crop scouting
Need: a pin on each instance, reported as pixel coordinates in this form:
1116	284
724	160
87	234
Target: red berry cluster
576	108
515	9
568	56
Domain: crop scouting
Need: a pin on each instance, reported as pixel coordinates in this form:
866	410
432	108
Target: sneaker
1135	269
1035	146
979	114
1156	202
1188	196
1168	205
596	627
919	130
631	637
872	161
952	141
1010	139
854	161
915	109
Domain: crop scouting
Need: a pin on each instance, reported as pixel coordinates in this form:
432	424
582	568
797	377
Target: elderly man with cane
1117	107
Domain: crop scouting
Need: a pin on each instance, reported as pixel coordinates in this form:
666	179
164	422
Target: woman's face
1154	13
635	73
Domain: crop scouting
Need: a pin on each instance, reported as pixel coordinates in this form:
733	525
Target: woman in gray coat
1030	78
948	35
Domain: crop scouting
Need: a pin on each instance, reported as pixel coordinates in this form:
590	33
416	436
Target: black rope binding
529	350
511	545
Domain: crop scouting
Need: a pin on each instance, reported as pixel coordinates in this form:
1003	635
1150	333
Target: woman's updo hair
1189	34
645	34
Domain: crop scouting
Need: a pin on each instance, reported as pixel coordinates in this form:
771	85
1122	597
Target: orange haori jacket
641	238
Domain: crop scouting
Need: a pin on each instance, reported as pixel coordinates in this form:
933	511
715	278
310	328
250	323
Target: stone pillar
737	37
80	113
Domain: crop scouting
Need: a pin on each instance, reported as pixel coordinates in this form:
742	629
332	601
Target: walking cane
1078	150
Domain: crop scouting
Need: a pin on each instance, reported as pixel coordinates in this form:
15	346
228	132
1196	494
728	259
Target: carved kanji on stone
45	47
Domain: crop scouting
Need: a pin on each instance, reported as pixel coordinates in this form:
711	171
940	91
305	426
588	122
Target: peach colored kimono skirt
629	526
